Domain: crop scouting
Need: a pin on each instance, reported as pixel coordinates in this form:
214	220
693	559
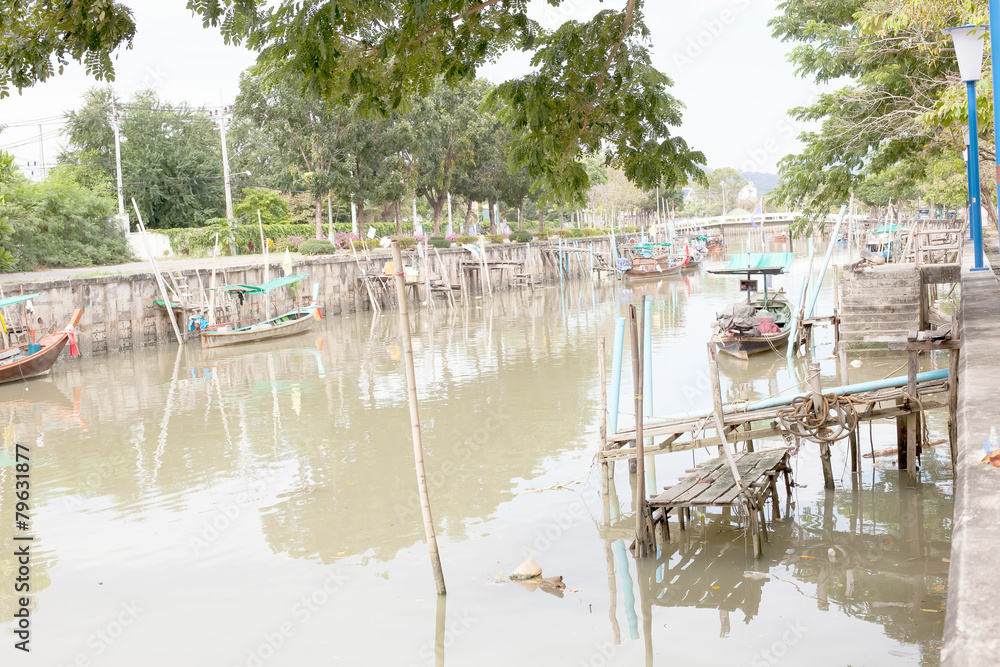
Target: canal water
257	505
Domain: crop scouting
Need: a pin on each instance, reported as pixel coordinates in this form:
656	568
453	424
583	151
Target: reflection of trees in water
503	383
879	555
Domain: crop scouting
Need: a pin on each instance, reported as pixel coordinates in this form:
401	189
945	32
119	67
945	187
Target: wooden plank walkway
712	485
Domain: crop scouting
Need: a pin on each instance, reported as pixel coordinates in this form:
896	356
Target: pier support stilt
912	426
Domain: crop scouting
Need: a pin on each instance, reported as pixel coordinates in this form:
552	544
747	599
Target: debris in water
759	576
529	569
856	363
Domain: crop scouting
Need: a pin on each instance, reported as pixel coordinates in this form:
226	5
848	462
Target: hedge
520	236
439	242
317	247
187	240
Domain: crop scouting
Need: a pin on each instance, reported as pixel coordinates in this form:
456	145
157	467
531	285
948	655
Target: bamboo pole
376	306
602	372
156	274
641	534
211	285
418	449
912	427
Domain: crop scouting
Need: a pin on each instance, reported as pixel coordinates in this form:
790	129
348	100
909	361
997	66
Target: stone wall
119	311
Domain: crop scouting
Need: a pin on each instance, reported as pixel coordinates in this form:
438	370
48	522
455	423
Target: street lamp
968	40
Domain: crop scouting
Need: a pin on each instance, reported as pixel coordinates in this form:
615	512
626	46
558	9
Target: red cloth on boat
766	325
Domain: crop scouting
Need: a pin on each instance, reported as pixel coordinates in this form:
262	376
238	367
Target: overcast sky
729	72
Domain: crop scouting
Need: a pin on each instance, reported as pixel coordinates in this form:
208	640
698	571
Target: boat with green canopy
761	324
293	322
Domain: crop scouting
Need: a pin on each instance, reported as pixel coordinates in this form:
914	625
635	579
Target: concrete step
849	303
888	316
881	284
869	311
893	329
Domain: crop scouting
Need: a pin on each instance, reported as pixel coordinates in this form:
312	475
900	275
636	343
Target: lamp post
969	43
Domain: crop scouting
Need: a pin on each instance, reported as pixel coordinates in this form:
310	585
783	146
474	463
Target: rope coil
802	418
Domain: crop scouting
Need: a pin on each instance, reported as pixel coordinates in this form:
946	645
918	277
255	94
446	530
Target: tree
290	139
594	84
273	209
902	110
7	174
38	39
60	222
171	162
443	125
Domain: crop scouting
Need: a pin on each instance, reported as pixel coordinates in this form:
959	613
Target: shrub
562	233
495	238
291	242
474	240
344	240
520	236
316	247
576	233
591	232
363	244
630	230
541	236
407	243
439	242
451	237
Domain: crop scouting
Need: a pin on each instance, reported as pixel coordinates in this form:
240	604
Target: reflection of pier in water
891	571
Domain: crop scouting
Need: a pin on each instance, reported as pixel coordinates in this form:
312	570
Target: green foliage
363	244
520	236
439	242
561	233
58	222
495	238
406	243
171	156
591	232
576	233
899	111
7	174
467	240
272	206
40	38
316	247
541	236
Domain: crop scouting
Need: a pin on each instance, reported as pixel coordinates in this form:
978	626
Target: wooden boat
743	344
650	268
759	325
21	362
291	323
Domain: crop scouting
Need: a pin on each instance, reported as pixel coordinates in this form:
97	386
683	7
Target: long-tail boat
293	322
27	360
759	325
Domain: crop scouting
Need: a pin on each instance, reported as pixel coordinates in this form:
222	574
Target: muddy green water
257	505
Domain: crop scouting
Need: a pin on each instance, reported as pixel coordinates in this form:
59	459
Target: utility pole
41	150
221	119
116	124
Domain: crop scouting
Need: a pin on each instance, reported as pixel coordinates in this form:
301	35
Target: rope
804	420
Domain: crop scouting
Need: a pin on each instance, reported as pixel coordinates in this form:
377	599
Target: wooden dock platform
712	484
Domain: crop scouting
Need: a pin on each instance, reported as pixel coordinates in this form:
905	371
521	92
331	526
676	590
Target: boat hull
42	361
743	346
301	323
653	268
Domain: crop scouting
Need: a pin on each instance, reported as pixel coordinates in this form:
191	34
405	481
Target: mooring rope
804	419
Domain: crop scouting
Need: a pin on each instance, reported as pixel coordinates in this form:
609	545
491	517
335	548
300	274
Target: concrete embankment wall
119	312
970	634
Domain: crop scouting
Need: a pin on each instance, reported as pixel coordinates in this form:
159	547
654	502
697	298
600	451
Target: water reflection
878	554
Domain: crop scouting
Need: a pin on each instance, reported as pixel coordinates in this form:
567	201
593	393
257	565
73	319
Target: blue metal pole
616	375
995	48
968	183
975	215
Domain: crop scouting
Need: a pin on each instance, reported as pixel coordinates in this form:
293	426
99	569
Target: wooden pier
747	479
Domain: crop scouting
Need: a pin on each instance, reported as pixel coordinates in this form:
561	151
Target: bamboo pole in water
641	534
603	373
159	279
418	449
211	283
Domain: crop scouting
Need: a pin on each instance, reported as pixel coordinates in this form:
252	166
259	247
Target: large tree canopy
38	38
902	111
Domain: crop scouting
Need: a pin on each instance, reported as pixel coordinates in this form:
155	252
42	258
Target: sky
731	75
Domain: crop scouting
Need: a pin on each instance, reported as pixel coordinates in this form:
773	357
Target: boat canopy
262	289
11	300
767	262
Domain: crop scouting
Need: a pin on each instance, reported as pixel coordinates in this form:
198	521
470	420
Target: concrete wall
119	313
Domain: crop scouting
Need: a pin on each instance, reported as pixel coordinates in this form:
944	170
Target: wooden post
912	368
418	449
824	448
845	379
211	283
836	305
427	275
641	534
156	274
713	370
602	372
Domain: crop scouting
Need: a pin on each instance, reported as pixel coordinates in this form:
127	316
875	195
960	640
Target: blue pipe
623	567
826	261
616	375
845	390
974	201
